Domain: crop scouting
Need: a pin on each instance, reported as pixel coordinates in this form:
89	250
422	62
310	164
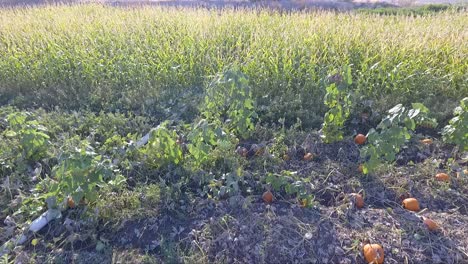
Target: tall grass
144	59
414	10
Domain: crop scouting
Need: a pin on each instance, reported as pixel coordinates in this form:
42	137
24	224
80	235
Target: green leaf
420	107
10	133
349	78
410	124
365	169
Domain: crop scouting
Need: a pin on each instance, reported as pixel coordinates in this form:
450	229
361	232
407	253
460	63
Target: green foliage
338	100
5	259
292	186
150	195
227	113
279	148
225	186
392	133
56	155
162	148
456	132
229	102
33	142
121	205
204	138
79	174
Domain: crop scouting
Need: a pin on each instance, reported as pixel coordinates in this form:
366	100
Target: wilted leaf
397	108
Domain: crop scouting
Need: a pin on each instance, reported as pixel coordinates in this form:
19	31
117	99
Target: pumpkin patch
192	134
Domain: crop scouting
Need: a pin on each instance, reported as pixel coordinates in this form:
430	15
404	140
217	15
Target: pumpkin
267	197
308	156
360	139
430	224
70	202
427	141
373	253
442	177
358	200
411	204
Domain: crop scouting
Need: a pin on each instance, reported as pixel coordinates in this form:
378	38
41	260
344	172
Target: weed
393	132
338	100
456	132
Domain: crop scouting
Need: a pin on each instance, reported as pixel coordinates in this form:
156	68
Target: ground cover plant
156	135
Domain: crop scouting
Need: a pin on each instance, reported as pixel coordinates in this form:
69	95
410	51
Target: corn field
113	58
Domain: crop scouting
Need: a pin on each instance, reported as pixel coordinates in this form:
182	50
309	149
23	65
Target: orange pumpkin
70	202
267	197
427	141
373	253
360	139
411	204
308	156
430	224
442	177
358	200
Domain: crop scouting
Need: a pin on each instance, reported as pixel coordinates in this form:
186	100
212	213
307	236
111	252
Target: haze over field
341	4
